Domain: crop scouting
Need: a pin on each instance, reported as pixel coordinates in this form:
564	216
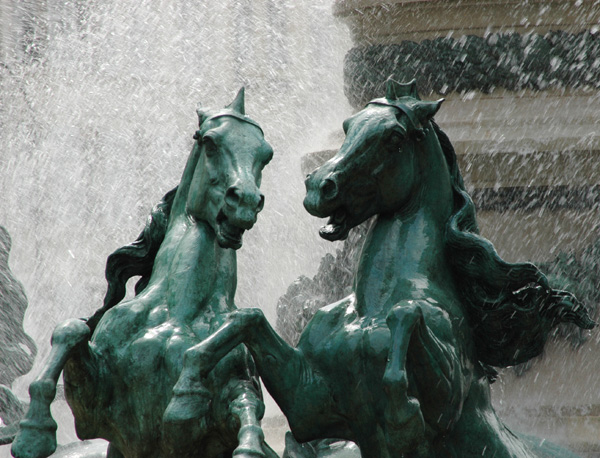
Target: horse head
377	167
224	190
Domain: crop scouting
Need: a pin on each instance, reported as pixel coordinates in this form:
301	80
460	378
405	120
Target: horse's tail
136	258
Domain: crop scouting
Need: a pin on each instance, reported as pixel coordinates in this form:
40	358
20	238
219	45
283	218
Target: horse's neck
403	256
193	271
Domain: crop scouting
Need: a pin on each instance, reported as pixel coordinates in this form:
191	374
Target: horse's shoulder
327	319
445	306
334	312
124	321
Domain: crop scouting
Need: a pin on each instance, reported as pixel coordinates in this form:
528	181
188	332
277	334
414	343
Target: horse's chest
141	370
354	357
152	344
162	348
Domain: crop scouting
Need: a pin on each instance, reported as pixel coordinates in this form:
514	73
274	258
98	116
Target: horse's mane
135	259
511	306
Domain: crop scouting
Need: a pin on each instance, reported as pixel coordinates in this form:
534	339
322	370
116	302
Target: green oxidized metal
120	365
402	365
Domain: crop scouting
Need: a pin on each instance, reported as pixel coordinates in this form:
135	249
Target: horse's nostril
261	203
232	196
329	189
236	197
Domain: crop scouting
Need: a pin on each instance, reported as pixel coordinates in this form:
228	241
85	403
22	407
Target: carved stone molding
470	63
394	21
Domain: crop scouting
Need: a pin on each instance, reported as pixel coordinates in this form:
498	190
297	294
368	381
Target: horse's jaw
359	202
221	230
337	228
341	221
227	234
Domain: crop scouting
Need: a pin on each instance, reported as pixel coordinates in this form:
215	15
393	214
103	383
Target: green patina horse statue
121	364
402	366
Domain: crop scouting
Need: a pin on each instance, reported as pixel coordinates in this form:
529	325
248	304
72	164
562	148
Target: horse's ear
427	110
202	115
238	103
394	90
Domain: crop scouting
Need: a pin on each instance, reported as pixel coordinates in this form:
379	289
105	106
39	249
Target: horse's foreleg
405	426
191	399
423	336
37	434
439	364
249	409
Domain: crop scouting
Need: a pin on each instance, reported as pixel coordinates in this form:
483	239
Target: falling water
97	110
97	114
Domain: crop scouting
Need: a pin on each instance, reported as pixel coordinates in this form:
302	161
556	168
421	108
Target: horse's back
326	320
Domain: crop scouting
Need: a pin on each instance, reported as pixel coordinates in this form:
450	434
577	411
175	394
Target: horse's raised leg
435	363
285	372
186	415
405	426
37	435
191	399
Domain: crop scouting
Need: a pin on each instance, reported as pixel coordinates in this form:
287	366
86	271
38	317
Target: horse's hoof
34	440
184	421
406	426
251	438
245	452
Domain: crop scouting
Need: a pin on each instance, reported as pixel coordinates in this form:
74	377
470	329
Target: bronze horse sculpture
402	366
120	365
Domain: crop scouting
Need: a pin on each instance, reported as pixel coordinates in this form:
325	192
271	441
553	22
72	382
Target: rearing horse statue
120	365
401	366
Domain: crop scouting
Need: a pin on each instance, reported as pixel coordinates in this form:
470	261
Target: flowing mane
137	258
511	306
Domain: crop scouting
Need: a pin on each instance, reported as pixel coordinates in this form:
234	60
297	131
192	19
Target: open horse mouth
228	235
337	228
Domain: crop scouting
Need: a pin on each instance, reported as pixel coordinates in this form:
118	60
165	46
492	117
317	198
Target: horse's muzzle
242	205
321	194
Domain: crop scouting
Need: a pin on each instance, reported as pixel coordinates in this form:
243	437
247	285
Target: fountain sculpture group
401	366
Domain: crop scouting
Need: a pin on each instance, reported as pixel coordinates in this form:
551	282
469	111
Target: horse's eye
209	145
396	138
